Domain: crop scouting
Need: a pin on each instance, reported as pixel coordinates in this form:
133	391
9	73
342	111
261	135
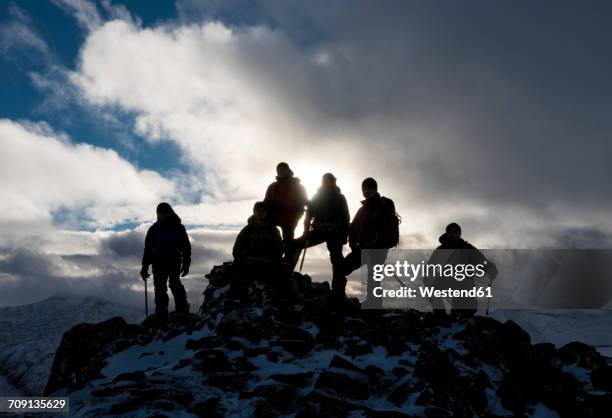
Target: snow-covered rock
30	335
280	349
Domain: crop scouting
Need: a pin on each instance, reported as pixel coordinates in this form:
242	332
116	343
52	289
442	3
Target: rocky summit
283	351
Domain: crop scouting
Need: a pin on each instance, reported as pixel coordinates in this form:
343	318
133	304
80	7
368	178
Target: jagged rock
582	355
300	380
344	383
210	361
136	376
75	360
243	347
602	378
208	408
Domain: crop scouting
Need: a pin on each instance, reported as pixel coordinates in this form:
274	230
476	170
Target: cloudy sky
496	115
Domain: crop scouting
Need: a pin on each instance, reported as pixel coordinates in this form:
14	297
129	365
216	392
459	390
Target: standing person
168	249
454	250
327	220
286	199
374	227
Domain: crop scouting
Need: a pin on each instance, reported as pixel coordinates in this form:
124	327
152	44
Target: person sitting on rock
259	240
257	253
454	250
327	221
168	249
375	227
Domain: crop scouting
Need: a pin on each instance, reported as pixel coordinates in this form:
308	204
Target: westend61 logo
442	274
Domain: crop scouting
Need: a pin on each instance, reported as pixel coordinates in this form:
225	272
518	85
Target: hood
372	199
251	222
288	177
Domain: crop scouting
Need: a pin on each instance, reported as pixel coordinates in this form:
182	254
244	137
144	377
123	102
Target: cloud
45	174
18	37
452	130
84	11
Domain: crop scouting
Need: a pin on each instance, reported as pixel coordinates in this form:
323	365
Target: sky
495	115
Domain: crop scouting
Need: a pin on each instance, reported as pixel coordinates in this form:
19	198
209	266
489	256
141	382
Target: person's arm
241	244
479	258
185	251
277	245
346	216
147	256
308	217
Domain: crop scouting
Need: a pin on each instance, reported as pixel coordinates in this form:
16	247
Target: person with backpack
286	199
327	221
454	250
257	256
374	227
168	249
259	239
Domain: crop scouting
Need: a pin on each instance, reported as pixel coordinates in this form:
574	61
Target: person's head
453	232
164	212
283	170
328	180
260	211
369	187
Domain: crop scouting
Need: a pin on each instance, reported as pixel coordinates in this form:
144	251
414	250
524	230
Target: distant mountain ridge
31	333
279	349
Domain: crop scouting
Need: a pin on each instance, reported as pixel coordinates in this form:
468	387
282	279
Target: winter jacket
469	255
286	198
364	231
166	242
258	241
329	211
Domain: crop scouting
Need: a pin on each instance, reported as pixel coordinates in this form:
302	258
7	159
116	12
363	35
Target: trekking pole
146	300
304	255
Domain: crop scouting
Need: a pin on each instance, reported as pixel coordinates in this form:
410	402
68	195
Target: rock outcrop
286	352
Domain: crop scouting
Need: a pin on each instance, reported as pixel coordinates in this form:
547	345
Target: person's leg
464	307
160	278
437	304
345	267
374	257
311	239
178	291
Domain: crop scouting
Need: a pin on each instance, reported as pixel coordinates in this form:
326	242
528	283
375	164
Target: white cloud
43	172
84	11
18	35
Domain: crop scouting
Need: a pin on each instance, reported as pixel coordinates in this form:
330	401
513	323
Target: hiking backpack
388	223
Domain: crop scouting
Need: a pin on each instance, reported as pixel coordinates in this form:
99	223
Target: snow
31	334
561	327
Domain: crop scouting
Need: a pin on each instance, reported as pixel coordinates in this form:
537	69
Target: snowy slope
31	333
593	327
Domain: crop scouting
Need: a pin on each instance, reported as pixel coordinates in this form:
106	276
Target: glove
144	272
185	268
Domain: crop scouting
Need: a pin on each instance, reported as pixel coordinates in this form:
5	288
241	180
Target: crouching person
257	251
167	248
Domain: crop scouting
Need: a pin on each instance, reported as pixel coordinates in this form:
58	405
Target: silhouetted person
375	226
285	199
257	254
260	239
168	249
454	250
327	221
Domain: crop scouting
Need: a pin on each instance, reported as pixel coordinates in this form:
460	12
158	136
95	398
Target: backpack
388	224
